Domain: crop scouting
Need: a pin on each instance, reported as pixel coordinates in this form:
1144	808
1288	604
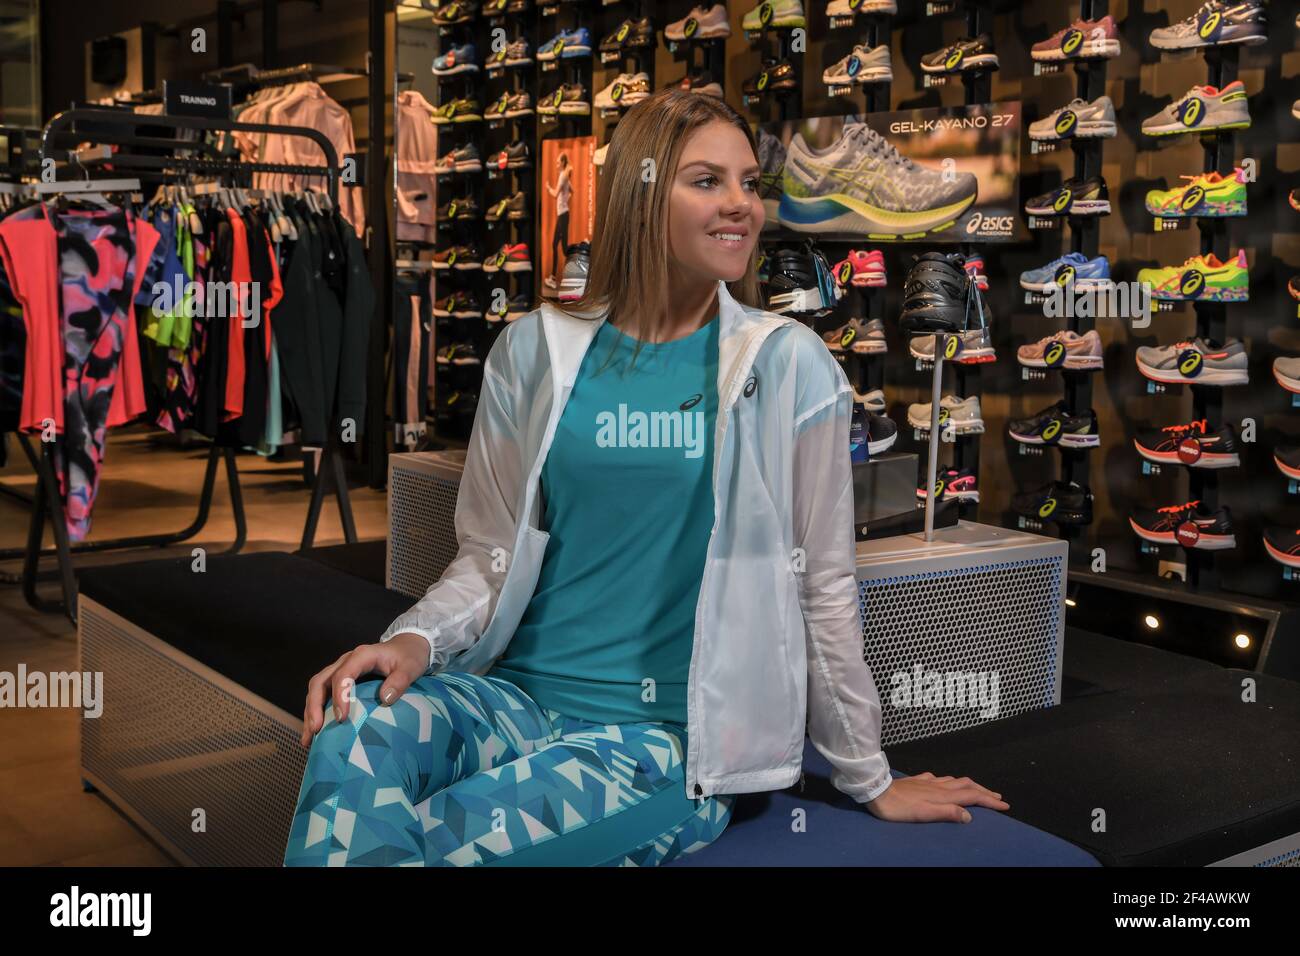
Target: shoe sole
1088	363
971	356
1080	285
776	23
1209	295
1094	129
1290	560
1059	517
575	109
1086	207
1206	542
1179	128
848	214
567	53
1209	376
954	496
959	428
871	75
1208	460
1065	441
1285	468
463	268
702	33
1248	38
1088	50
1290	384
628	100
969	64
883	445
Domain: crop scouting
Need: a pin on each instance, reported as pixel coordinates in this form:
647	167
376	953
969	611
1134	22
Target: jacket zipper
744	365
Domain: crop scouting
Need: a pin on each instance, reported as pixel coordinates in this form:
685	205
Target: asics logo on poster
637	429
990	225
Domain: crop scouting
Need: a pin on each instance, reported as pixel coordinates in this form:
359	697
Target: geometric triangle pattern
466	770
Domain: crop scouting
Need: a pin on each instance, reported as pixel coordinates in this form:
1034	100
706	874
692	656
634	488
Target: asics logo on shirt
691	402
637	429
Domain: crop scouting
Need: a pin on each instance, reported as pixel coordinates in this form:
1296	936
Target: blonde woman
654	594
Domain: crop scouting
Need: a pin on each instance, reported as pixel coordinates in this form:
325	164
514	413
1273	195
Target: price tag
1031	450
1045	69
933	80
839	90
1156	388
1150	467
841	23
1042	146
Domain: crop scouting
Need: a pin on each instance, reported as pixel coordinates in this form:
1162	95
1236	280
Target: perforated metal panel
421	518
963	631
175	737
1283	852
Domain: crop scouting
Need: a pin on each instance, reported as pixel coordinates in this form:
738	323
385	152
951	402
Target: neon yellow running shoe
1208	195
1203	278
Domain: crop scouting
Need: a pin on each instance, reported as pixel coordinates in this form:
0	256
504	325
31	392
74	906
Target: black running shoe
1283	545
965	55
1057	425
1188	524
774	77
1074	197
799	281
465	207
512	207
516	155
937	296
1056	501
1287	459
1192	444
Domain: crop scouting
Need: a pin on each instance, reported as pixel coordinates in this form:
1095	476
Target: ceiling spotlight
1242	641
1070	602
1151	621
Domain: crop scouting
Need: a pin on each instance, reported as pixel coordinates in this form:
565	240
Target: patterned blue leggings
466	770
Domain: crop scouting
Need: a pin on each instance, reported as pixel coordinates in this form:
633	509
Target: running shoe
459	305
1283	545
771	176
962	415
1203	278
1293	287
461	110
457	257
511	257
462	353
1058	501
577	266
516	155
969	348
1206	194
950	484
775	15
516	53
462	159
459	209
702	23
874	400
461	58
1286	370
869	434
1078	119
1199	362
864	65
1202	109
861	184
1057	425
967	54
1065	349
508	310
1074	197
773	78
1217	22
863	268
512	207
510	104
1073	268
939	296
1193	444
627	88
566	44
457	11
630	35
569	99
1081	40
855	335
974	267
1191	525
847	8
699	81
799	281
1287	459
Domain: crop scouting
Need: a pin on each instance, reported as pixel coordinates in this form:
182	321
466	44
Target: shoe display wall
1131	306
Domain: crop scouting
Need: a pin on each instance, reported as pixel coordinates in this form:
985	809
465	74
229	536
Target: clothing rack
46	500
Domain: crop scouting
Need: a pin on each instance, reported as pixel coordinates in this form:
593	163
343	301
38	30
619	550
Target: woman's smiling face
714	213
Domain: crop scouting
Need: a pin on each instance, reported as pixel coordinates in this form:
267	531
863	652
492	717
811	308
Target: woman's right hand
401	660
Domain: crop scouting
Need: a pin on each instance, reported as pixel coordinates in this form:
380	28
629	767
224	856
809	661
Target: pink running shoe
951	483
862	268
1083	39
975	269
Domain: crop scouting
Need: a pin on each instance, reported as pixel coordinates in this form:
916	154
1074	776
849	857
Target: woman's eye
706	180
752	183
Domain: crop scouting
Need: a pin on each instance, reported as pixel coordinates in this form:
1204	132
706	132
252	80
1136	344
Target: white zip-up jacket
778	638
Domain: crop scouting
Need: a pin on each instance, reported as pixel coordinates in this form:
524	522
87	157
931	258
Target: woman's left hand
925	798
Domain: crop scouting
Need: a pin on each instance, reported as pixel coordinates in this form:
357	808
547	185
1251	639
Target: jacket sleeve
454	612
843	706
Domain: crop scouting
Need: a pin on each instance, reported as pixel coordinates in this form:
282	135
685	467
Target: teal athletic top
628	491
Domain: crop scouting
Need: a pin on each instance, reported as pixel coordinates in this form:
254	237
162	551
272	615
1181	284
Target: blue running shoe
566	44
1074	268
459	59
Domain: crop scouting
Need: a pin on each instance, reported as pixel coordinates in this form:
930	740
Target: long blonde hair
629	245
